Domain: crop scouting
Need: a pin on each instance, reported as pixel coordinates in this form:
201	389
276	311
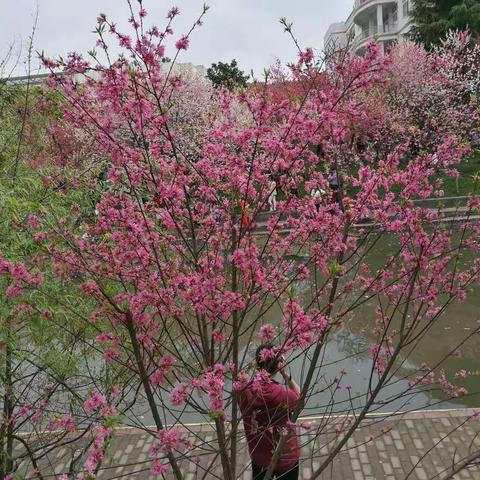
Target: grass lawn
466	182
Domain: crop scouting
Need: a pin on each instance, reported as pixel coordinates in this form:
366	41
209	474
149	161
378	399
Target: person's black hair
270	364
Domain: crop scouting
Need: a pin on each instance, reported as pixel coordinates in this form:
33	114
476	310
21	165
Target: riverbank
452	209
466	182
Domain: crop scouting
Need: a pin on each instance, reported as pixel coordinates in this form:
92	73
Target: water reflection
348	349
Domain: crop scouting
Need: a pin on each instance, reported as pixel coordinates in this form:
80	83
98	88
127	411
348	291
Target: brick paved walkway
383	448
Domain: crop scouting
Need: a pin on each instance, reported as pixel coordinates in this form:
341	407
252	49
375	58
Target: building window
406	8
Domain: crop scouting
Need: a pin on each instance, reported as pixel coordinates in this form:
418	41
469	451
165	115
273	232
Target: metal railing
361	3
375	30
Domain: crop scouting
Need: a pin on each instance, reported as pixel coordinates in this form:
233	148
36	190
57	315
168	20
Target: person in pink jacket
266	410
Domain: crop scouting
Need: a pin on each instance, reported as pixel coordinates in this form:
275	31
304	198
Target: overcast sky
247	30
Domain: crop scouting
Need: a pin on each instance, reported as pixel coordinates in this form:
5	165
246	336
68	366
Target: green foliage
46	336
214	415
467	181
114	421
17	201
334	269
433	19
10	126
227	75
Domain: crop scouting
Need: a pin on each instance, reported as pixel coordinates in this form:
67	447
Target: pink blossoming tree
181	265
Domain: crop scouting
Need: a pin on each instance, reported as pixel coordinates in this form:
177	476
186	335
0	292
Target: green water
348	349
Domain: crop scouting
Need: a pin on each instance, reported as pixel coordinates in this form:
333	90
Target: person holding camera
266	408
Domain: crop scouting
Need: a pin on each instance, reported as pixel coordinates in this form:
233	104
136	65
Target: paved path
401	451
450	215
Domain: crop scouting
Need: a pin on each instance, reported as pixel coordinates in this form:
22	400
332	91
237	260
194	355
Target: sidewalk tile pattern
413	446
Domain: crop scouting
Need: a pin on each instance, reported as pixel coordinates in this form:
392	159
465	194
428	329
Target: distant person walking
334	186
317	194
266	411
245	215
272	198
333	179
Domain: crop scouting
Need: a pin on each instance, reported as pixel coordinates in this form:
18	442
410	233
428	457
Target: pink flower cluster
447	388
267	333
164	367
301	329
98	404
179	394
19	276
168	441
212	384
65	422
96	453
260	379
97	401
182	43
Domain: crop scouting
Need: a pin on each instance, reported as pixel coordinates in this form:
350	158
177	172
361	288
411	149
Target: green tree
46	346
227	75
433	19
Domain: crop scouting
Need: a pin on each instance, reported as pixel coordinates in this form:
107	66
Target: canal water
348	350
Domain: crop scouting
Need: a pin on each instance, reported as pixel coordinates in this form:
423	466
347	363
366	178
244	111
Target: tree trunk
148	389
6	430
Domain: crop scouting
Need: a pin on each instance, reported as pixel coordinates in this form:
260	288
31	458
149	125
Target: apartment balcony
360	4
363	9
386	32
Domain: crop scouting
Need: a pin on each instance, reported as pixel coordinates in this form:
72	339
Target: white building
387	21
39	79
